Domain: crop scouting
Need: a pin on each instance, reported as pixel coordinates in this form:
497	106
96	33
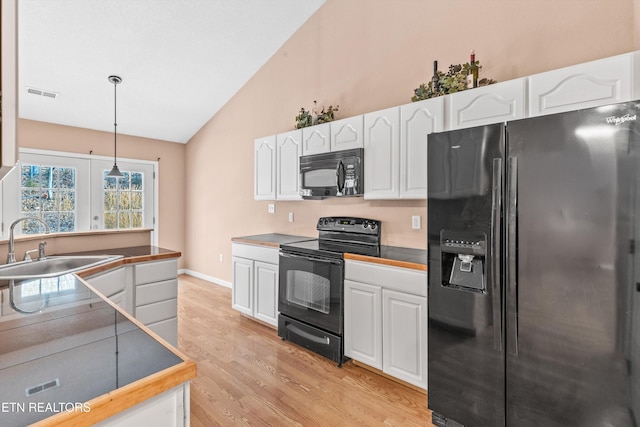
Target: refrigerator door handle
496	253
512	262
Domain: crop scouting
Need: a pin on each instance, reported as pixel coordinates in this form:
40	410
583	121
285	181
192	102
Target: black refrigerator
534	283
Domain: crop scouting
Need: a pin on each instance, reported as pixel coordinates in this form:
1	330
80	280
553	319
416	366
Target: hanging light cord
115	172
115	120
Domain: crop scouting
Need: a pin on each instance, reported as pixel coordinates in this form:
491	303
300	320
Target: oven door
310	290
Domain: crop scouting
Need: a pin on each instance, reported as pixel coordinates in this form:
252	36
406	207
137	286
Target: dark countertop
79	340
396	256
154	252
272	239
390	255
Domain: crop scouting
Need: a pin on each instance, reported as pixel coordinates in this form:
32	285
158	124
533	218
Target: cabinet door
120	299
405	337
264	186
316	139
417	121
266	292
242	295
10	186
347	133
363	323
116	285
601	82
485	105
382	154
9	86
289	148
168	409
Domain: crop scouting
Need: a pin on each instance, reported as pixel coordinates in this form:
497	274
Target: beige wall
636	25
367	55
171	167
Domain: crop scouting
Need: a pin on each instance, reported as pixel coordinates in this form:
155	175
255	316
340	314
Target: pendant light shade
115	172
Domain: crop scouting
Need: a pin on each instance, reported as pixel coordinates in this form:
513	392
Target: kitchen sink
52	266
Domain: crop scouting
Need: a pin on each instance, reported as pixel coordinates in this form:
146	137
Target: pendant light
115	172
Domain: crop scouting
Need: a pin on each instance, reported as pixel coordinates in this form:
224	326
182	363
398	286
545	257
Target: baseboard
391	377
211	279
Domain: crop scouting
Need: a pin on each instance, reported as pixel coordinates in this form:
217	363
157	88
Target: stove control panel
349	225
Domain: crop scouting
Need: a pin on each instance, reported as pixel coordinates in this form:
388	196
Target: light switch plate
271	208
415	222
290	216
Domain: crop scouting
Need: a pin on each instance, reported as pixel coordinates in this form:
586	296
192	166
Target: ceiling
180	60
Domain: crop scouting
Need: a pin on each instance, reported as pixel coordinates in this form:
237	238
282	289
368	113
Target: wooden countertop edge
386	261
116	401
127	260
254	242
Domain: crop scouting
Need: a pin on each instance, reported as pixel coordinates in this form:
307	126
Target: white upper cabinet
9	86
601	82
316	139
289	148
417	120
347	133
485	105
382	154
264	186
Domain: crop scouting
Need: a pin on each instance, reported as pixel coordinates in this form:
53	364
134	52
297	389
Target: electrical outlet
415	222
221	257
271	208
290	216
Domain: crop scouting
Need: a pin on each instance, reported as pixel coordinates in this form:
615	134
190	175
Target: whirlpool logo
620	120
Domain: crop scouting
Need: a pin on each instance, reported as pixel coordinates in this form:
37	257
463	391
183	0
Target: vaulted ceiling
180	60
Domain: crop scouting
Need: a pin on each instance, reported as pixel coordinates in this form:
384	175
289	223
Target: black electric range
312	281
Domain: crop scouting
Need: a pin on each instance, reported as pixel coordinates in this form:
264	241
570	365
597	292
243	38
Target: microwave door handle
340	176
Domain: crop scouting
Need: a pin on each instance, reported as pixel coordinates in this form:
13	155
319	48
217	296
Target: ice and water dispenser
463	260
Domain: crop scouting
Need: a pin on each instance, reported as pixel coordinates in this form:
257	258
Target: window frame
11	213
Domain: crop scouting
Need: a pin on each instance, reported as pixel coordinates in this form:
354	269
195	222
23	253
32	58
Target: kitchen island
82	360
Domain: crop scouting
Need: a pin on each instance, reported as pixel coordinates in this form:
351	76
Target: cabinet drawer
167	329
155	292
388	277
157	311
110	282
256	253
156	271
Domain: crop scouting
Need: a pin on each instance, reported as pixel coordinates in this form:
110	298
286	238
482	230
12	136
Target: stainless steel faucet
11	256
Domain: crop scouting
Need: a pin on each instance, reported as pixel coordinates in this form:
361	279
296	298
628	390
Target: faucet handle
27	254
41	254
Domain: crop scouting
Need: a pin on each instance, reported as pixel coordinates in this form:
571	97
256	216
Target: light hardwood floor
248	376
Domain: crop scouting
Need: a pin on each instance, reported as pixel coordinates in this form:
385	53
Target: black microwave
338	173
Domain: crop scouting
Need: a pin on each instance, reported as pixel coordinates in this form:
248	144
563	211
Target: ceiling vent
41	92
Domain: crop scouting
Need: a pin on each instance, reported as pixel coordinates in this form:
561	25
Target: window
49	193
126	202
71	192
123	200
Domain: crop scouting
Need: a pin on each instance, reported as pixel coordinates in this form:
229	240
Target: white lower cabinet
404	333
116	285
156	297
148	291
363	323
385	319
168	409
255	282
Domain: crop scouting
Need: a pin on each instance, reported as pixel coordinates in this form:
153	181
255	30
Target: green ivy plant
309	118
455	80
